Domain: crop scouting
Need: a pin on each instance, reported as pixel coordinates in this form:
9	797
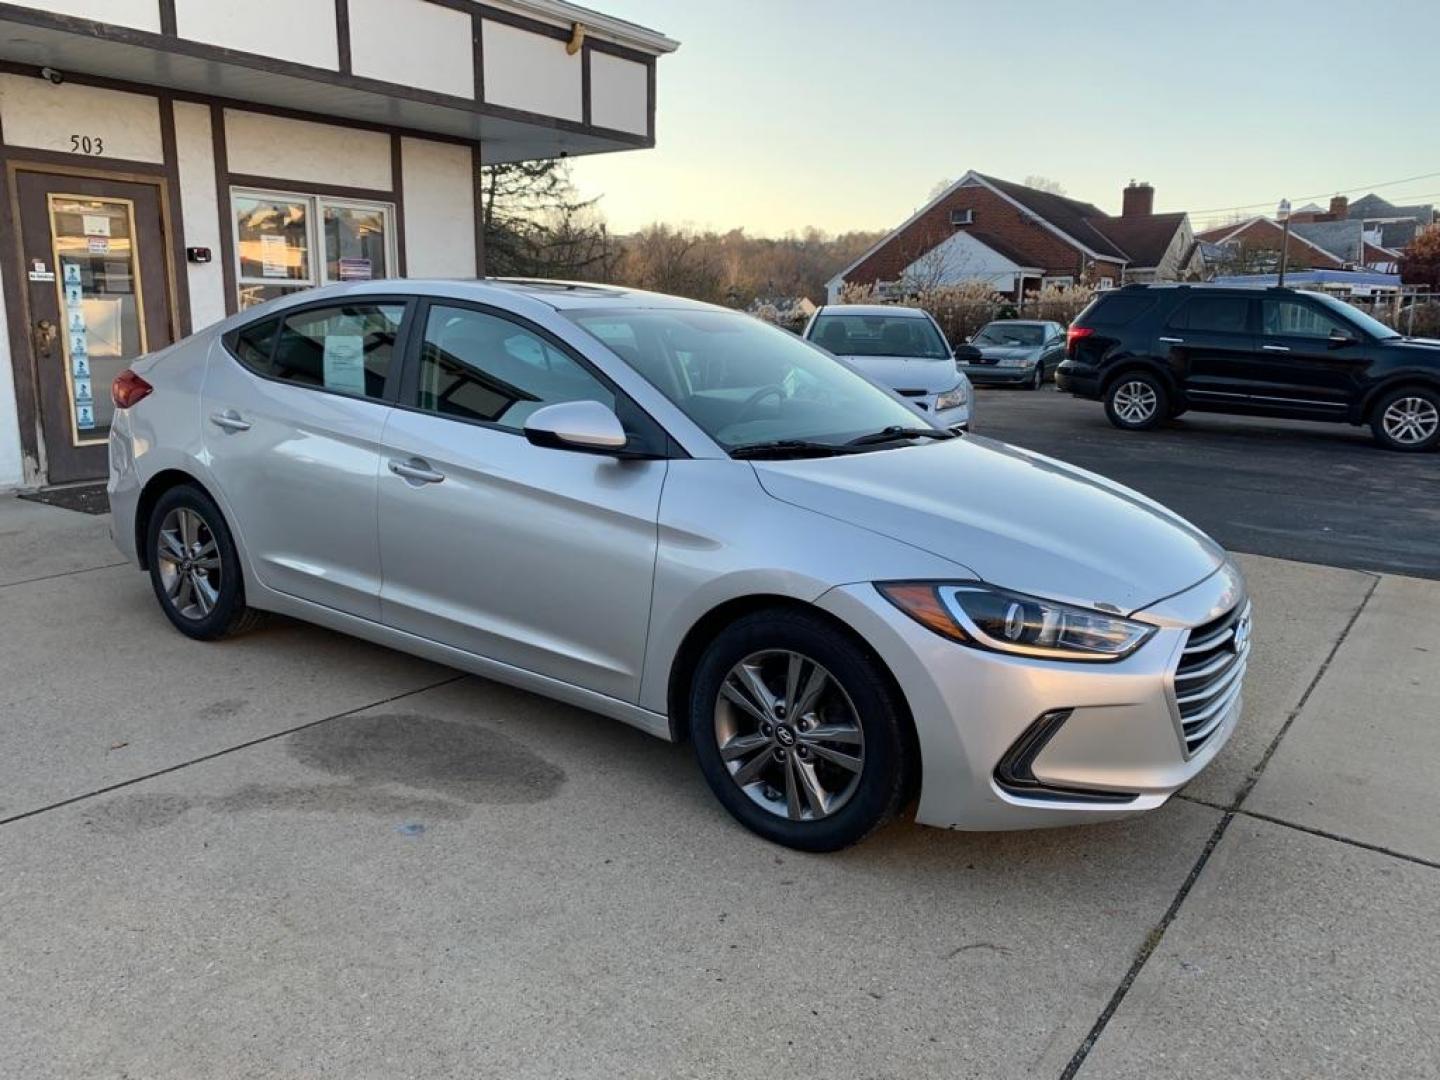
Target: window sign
277	233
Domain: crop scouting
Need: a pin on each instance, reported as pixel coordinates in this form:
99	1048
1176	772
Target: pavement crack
61	574
1157	933
228	750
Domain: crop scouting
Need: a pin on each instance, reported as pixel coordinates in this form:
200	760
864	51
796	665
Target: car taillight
128	389
1074	334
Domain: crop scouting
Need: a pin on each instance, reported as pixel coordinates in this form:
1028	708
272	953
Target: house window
1107	283
286	242
1058	282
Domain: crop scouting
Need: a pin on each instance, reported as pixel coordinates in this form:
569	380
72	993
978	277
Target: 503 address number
94	145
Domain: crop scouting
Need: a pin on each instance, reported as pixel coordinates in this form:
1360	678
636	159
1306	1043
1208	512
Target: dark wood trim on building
342	36
17	307
62	161
519	22
309	187
174	226
477	46
397	195
222	200
585	51
650	102
476	161
167	19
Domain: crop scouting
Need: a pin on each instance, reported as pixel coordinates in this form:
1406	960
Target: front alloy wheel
1408	419
789	735
799	730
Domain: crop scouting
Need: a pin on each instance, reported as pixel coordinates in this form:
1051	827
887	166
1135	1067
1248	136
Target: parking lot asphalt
297	855
1320	493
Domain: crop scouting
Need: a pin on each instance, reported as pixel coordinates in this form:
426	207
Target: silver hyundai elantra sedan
679	517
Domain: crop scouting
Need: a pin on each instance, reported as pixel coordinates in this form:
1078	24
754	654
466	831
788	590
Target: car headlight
1015	361
989	618
953	398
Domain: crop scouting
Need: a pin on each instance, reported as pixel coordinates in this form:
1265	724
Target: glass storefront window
275	234
355	241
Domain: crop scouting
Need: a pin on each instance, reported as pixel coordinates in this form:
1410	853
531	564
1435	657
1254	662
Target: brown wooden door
95	268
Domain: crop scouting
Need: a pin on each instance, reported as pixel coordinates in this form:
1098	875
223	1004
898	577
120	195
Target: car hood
907	372
1009	352
1008	517
1430	345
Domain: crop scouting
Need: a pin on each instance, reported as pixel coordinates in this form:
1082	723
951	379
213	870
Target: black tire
218	612
1125	395
887	762
1038	379
1422	405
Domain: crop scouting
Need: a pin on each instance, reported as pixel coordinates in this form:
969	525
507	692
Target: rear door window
1213	314
346	349
1294	318
1116	309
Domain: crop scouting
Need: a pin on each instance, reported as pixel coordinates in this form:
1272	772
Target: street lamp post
1283	213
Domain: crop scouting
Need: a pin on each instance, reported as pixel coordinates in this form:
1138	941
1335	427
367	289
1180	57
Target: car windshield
879	335
1371	325
1002	333
742	381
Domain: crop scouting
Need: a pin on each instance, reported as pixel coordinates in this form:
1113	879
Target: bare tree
1044	183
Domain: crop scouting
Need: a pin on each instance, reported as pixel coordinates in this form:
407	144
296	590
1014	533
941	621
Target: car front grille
1208	677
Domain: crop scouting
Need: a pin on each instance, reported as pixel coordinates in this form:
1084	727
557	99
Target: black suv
1151	352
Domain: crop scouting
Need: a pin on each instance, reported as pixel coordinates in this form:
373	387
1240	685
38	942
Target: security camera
56	77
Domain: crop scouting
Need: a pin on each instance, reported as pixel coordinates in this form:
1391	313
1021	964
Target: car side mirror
966	353
587	426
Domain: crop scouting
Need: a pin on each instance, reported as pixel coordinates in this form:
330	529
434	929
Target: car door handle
417	470
230	420
1173	340
1275	348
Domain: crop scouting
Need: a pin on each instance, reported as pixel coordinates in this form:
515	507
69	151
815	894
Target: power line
1215	221
1323	194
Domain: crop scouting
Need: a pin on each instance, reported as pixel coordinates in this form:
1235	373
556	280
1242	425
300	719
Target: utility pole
1283	213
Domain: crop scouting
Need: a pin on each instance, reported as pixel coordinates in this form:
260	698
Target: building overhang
32	39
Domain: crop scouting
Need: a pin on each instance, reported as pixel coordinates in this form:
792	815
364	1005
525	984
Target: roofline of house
956	186
1276	225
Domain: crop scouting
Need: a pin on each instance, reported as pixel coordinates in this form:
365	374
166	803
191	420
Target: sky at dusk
779	114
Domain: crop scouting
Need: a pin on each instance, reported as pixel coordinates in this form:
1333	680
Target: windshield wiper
896	433
782	447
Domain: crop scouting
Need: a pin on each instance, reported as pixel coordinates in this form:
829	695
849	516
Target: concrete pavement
348	862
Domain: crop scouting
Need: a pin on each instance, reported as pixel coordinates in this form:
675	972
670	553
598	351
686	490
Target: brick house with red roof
1018	238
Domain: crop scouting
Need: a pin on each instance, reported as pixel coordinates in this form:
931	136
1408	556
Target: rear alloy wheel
194	568
1136	402
1407	419
797	731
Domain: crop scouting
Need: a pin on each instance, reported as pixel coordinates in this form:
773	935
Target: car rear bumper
1071	378
1009	742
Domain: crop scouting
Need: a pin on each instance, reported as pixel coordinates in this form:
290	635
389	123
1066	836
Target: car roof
559	295
873	309
1022	322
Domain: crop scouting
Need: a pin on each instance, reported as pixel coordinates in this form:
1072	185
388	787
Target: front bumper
1118	748
994	375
